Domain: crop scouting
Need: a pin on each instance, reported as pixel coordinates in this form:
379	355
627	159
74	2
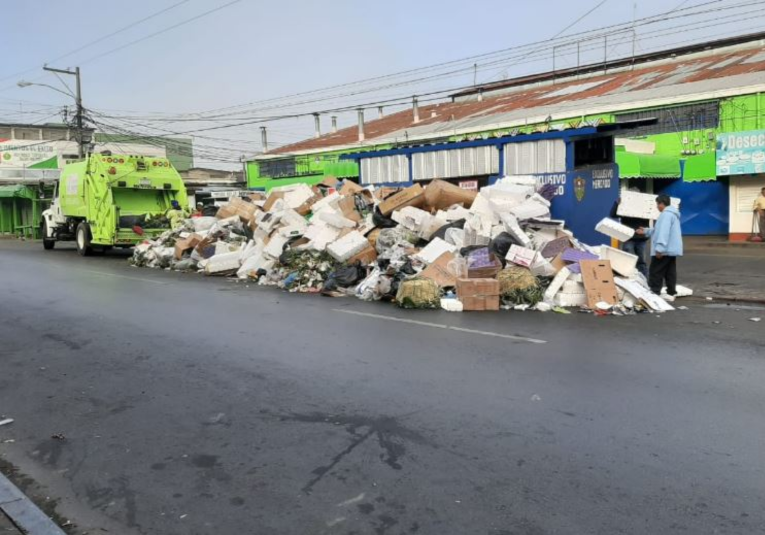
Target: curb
24	514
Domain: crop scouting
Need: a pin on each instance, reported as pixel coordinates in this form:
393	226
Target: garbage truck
108	200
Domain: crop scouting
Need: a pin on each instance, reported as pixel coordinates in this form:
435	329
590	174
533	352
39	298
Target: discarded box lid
622	262
599	283
616	230
411	196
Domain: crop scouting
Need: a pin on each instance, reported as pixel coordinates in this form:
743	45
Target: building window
675	119
593	151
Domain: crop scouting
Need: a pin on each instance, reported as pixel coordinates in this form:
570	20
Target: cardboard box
350	188
478	294
438	271
257	196
440	195
186	244
329	182
347	206
272	198
411	196
366	257
306	208
598	279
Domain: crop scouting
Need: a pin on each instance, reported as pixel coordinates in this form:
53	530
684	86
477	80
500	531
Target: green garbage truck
109	200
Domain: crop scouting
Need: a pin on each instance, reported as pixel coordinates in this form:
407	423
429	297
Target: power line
99	40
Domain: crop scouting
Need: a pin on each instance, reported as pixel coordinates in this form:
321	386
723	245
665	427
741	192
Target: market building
703	109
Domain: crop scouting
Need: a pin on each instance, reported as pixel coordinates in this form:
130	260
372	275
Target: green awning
16	190
634	165
700	168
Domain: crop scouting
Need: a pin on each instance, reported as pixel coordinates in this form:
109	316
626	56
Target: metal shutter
385	169
532	157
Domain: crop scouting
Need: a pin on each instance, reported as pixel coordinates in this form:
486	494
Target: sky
251	50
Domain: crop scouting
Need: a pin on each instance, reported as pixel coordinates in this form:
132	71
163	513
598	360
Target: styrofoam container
352	243
432	251
570	300
521	255
621	262
222	262
556	284
616	230
640	205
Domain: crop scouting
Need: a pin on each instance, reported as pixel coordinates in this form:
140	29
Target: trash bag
418	293
209	210
441	232
501	245
349	275
381	221
518	286
465	251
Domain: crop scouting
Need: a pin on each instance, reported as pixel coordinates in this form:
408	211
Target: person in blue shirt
666	245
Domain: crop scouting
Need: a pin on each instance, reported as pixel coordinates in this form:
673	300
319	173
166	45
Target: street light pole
78	100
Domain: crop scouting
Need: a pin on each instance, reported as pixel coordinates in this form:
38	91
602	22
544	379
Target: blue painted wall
705	205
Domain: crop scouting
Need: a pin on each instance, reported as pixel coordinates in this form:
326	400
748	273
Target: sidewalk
723	270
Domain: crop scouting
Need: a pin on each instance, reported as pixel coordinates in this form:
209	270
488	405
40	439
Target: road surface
188	405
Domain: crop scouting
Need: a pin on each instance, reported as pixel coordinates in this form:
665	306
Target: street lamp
77	98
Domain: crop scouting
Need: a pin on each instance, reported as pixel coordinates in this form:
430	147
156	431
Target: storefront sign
741	153
21	153
471	185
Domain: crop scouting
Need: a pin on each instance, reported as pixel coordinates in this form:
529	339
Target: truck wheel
83	239
48	244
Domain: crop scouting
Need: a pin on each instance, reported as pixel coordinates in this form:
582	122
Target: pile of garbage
437	246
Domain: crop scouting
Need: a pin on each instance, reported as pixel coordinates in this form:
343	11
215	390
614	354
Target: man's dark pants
663	269
637	247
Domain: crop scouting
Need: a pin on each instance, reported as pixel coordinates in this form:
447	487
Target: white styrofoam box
292	218
323	236
542	267
482	206
540	238
518	180
268	220
336	219
531	209
330	201
521	255
621	262
291	231
259	235
640	205
570	300
616	230
435	249
222	247
203	223
252	249
251	266
297	194
452	305
573	287
279	206
222	262
455	236
410	217
275	246
514	229
643	294
352	243
496	230
541	200
477	230
577	277
453	213
556	284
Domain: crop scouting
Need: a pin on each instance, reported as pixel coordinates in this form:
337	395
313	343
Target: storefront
741	158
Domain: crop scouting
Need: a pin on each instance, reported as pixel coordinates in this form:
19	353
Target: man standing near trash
635	245
759	209
176	214
666	245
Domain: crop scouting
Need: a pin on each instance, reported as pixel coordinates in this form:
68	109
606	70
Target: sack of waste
518	286
418	293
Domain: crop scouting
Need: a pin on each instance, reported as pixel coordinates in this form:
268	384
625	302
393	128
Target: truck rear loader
110	201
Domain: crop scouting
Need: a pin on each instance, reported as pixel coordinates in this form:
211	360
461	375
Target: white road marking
336	521
442	326
121	276
352	500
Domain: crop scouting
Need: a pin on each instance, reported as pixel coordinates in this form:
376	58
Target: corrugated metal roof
714	74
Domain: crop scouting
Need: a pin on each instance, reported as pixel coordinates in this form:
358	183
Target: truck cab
110	200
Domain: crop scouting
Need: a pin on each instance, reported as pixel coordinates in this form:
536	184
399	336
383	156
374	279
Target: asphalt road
187	405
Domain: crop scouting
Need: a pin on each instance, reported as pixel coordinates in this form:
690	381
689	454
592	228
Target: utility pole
78	100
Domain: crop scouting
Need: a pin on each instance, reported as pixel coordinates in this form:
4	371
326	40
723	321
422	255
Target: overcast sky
254	50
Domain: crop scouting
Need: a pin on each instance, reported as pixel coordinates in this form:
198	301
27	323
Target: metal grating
532	157
385	169
473	161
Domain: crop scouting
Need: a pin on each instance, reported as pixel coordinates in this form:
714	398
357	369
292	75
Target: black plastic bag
348	275
501	245
381	221
210	210
441	232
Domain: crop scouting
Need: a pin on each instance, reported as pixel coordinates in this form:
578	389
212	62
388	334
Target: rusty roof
695	76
